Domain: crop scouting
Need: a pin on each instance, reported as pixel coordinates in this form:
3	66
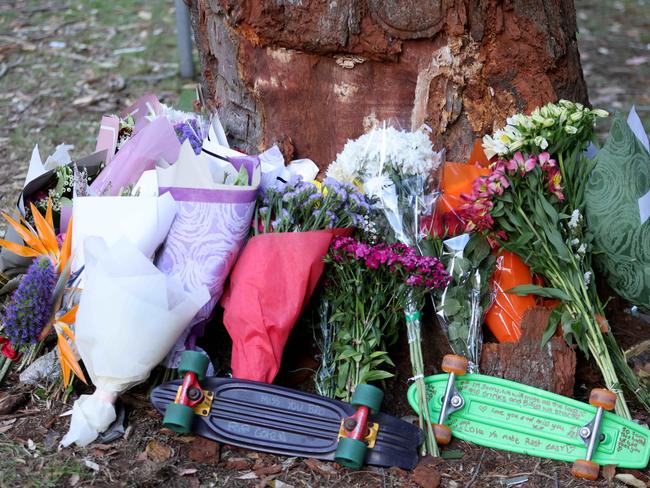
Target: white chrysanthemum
408	153
587	278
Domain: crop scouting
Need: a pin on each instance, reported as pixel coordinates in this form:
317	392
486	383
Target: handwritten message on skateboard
510	416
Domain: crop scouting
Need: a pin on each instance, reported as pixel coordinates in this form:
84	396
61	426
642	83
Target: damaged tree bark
320	72
550	368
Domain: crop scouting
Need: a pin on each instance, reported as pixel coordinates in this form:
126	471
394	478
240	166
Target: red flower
8	350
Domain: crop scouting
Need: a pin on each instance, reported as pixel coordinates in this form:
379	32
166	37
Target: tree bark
320	72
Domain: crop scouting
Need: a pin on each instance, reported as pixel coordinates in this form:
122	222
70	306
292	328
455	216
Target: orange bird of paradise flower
66	356
42	242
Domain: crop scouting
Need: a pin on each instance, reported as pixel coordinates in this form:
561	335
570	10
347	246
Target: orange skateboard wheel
452	363
442	434
586	470
605	399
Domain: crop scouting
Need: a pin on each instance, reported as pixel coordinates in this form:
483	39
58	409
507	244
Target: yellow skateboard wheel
605	399
586	470
442	434
452	363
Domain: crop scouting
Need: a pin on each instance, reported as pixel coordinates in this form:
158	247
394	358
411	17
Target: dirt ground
62	65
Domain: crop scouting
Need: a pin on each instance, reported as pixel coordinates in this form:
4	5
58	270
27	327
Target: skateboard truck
357	427
190	398
452	401
590	433
192	395
356	434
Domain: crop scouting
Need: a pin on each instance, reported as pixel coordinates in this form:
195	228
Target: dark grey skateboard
279	420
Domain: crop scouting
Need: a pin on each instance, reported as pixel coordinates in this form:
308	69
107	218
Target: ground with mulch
62	65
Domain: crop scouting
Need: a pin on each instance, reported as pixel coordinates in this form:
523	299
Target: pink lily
530	164
545	161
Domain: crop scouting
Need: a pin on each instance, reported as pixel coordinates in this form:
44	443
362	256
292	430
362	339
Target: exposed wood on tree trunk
321	72
551	367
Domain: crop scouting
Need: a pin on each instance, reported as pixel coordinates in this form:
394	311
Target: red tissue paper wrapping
270	284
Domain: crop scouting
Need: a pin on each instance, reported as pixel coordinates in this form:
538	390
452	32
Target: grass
68	63
20	466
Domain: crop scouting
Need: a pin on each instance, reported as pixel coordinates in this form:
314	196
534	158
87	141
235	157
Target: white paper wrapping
130	315
144	221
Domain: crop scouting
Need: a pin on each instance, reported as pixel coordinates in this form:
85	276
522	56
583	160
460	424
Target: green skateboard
502	414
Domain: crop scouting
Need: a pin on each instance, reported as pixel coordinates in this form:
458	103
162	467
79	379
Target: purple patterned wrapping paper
202	245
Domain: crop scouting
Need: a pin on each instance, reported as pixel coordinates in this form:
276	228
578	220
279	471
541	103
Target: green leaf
375	376
450	307
553	321
541	291
561	248
550	210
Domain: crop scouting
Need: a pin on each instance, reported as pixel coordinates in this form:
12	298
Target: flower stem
6	364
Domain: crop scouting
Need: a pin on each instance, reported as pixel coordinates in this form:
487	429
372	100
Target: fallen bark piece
320	467
427	473
609	471
158	452
550	368
204	451
268	470
238	464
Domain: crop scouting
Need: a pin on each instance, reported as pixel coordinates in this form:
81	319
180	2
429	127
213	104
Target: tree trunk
320	72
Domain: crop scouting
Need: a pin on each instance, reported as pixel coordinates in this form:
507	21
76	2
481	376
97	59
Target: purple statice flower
190	130
30	308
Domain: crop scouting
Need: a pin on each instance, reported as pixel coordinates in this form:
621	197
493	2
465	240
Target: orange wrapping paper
504	317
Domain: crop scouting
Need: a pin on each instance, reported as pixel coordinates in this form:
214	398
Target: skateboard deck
514	417
282	421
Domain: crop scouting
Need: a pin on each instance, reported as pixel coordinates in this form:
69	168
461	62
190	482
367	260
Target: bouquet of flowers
462	304
279	268
396	169
532	203
35	307
368	287
216	199
130	315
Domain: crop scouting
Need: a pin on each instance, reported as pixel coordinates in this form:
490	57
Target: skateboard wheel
350	453
178	418
367	396
194	362
605	399
586	470
452	363
442	433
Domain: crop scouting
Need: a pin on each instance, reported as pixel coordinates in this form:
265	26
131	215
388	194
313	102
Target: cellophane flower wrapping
461	306
157	140
129	317
280	266
215	209
504	318
368	287
533	204
396	168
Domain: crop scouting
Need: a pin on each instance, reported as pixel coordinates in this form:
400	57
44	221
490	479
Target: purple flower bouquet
216	202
